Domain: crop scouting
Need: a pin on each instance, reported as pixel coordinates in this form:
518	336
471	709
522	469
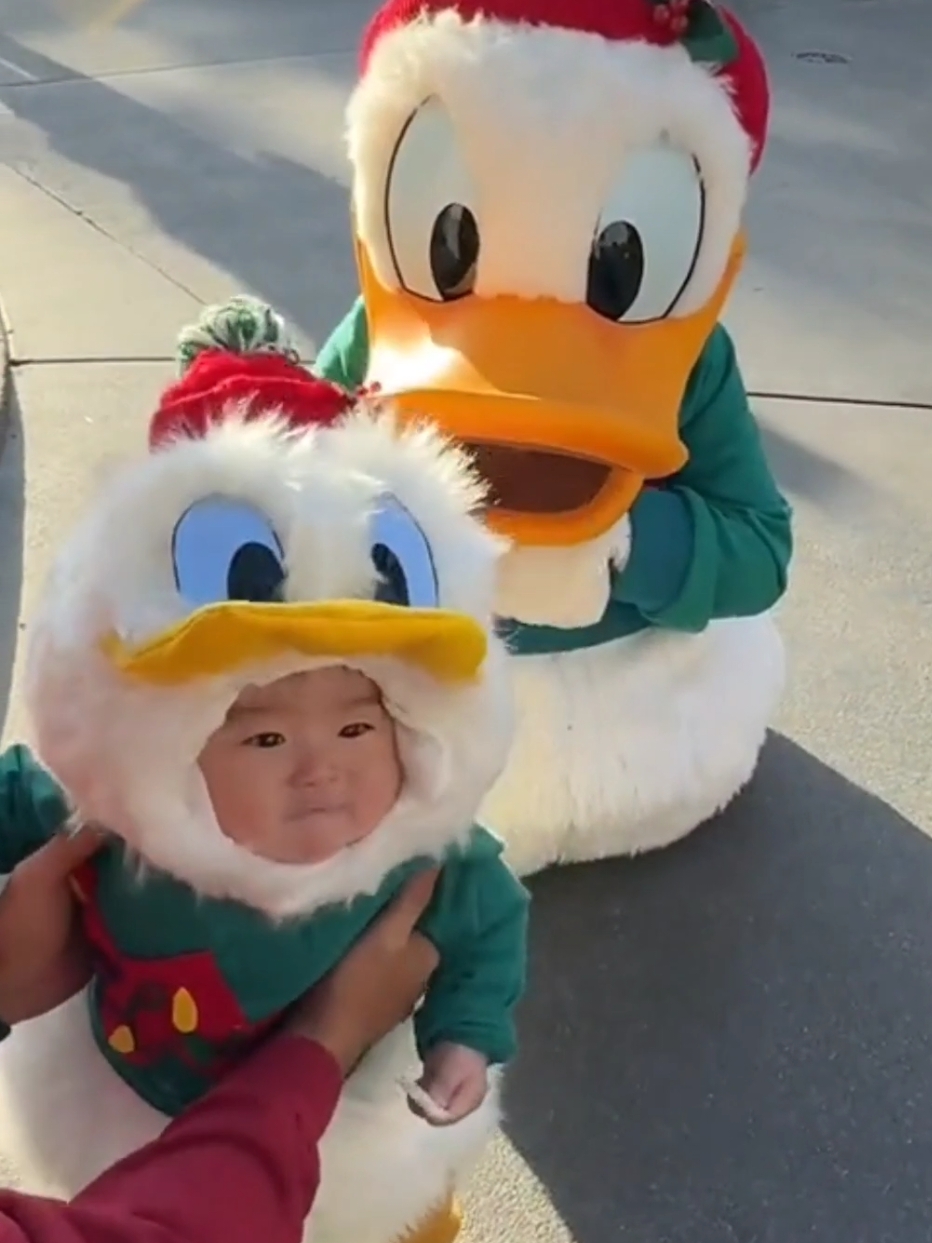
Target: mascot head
547	210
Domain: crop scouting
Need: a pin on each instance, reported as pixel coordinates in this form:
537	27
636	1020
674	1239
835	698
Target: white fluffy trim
628	746
528	574
65	1117
127	751
545	120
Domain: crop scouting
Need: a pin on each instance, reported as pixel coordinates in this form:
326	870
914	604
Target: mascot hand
565	587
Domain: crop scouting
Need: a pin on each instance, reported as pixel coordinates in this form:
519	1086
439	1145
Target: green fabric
712	541
33	807
344	357
477	918
719	528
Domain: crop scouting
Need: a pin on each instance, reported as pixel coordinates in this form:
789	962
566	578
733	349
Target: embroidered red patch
178	1008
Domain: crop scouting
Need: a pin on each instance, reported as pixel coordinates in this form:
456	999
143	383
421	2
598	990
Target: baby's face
305	766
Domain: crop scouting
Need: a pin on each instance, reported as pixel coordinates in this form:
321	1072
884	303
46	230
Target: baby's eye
356	729
266	740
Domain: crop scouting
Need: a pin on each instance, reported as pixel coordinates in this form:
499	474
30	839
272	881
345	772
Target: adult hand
377	985
43	954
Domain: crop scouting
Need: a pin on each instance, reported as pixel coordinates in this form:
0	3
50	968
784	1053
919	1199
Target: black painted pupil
616	270
392	587
255	574
454	251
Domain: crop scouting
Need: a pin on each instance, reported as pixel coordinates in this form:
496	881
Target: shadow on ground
278	227
811	476
728	1042
12	501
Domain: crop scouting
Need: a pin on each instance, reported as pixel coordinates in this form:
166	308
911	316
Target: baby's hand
456	1079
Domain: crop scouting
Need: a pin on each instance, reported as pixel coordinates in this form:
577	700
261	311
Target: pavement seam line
876	403
6	376
19	364
147	70
107	360
827	400
98	228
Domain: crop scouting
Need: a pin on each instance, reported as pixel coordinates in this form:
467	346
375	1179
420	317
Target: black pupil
392	587
616	270
454	251
255	574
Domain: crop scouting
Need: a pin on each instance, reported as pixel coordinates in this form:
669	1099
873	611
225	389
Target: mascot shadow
806	474
729	1041
12	501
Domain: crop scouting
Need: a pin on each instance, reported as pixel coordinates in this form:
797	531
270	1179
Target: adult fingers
399	920
59	857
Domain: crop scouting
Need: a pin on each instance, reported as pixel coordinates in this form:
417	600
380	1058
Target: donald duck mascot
547	212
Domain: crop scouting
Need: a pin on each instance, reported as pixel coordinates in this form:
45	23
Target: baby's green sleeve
344	357
478	922
32	806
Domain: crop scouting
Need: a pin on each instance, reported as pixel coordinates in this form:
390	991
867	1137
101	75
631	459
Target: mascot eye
647	238
430	209
402	558
224	549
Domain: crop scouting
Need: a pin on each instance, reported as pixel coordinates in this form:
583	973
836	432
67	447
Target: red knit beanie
238	355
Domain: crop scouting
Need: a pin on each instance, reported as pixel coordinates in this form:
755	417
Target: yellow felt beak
223	637
568	413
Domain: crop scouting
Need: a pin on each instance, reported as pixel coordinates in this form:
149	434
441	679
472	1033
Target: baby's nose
316	770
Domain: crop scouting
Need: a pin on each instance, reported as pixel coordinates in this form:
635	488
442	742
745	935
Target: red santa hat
239	357
710	34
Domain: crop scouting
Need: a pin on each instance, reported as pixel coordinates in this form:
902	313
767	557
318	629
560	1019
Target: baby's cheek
241	804
391	766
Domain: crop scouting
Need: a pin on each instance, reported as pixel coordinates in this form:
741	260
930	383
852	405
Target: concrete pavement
727	1043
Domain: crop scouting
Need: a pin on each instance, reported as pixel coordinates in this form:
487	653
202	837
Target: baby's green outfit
184	984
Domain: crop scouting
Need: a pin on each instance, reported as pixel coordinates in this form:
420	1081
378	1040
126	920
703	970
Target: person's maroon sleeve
240	1165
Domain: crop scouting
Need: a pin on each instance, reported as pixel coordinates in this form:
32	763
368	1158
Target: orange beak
567	413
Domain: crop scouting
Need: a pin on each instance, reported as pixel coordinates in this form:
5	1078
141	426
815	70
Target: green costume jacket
712	541
184	985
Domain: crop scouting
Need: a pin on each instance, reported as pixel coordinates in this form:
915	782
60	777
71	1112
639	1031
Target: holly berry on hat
239	356
706	31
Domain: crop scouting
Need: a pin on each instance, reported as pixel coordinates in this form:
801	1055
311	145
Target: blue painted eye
224	549
402	558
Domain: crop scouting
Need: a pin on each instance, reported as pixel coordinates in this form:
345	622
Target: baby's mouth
310	810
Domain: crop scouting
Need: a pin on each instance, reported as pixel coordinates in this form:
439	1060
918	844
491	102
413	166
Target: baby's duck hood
275	526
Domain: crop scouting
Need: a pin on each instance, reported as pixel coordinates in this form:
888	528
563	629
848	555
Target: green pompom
243	325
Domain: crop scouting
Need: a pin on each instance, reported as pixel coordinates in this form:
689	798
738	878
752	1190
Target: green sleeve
479	924
715	540
32	807
344	357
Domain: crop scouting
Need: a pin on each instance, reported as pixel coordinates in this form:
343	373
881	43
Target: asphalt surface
727	1042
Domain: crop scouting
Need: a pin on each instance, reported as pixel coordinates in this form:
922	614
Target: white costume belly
65	1117
628	746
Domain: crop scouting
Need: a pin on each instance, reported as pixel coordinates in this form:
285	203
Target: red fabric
617	20
240	1165
263	382
137	997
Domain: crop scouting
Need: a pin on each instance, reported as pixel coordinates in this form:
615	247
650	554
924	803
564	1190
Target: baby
266	666
301	769
309	765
